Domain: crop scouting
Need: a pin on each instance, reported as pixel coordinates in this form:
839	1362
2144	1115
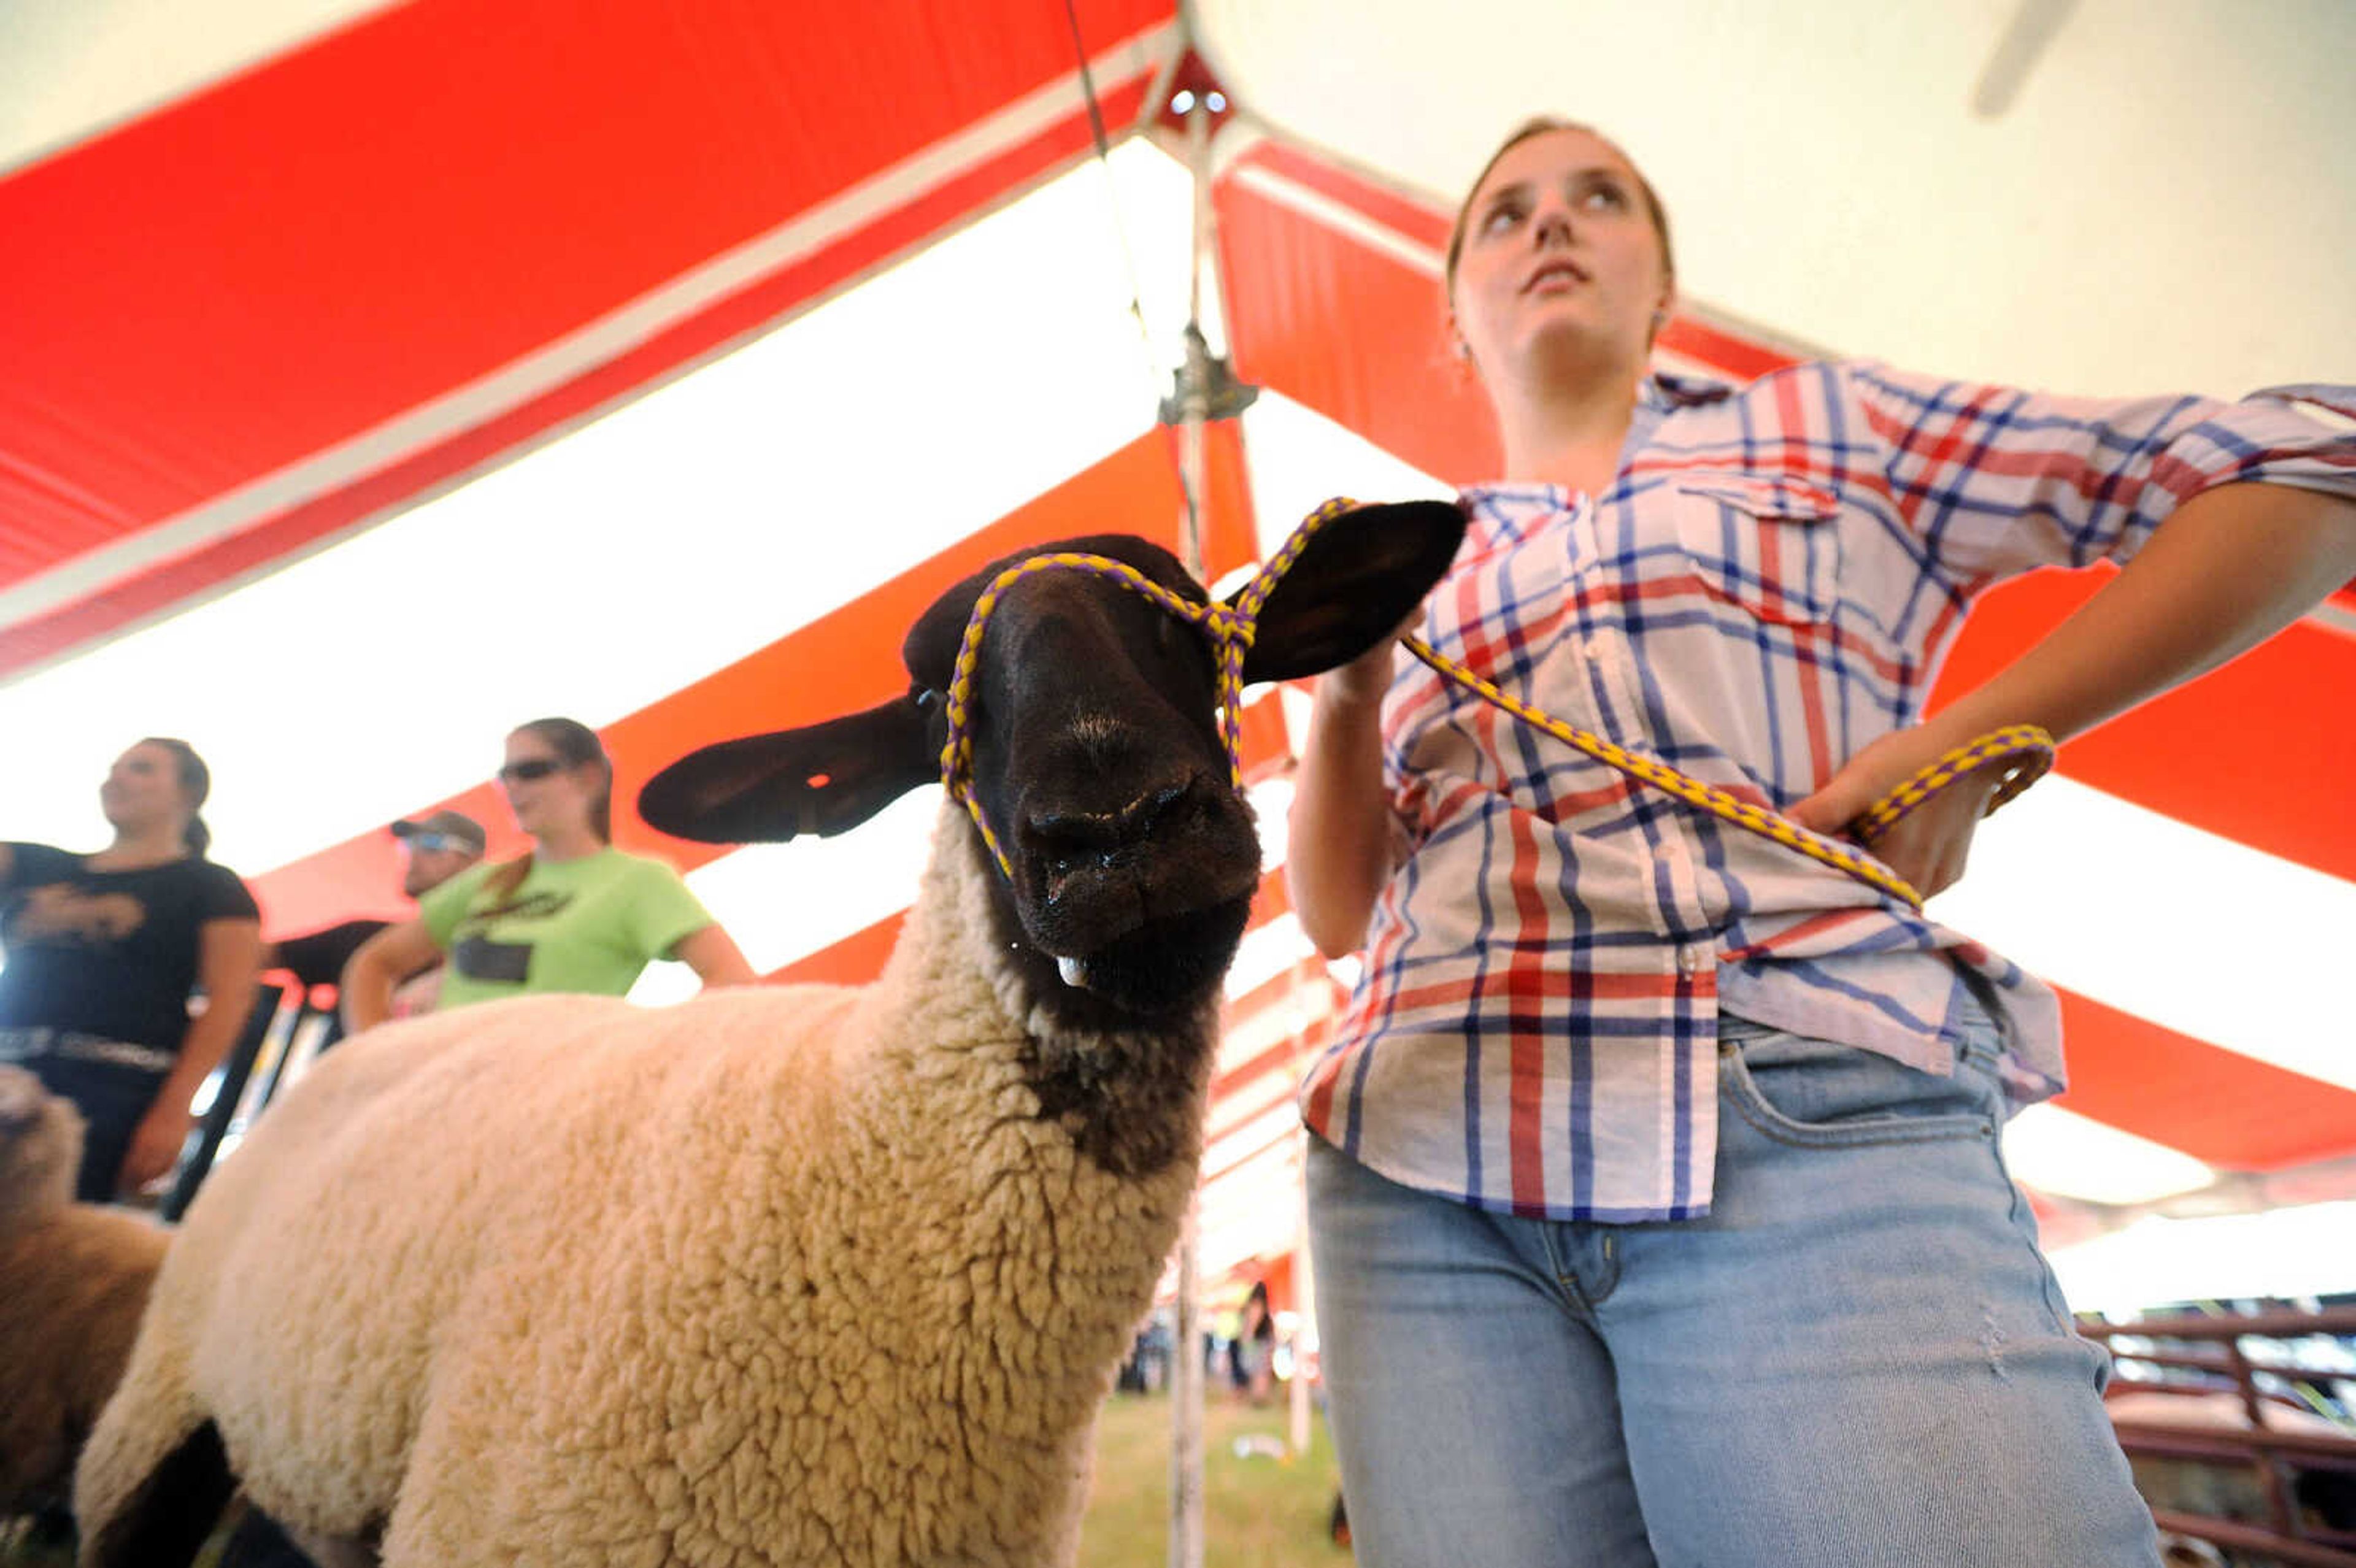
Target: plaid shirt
1768	586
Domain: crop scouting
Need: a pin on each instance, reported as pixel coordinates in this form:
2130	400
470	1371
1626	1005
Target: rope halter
2028	748
1230	630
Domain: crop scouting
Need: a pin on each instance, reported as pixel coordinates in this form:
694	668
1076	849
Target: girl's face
142	789
1559	255
546	793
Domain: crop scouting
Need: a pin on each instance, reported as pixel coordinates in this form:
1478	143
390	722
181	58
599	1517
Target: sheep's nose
1068	837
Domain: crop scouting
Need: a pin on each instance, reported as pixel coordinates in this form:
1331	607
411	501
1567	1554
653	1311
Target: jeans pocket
1820	1094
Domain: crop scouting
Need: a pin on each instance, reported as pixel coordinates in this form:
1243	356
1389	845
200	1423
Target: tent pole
1186	1383
1186	1406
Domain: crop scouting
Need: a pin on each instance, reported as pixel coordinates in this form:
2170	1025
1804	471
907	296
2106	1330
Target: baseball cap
455	825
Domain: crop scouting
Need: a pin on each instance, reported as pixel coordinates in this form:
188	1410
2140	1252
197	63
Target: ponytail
196	784
502	883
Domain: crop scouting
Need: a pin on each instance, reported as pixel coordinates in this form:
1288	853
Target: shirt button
1691	960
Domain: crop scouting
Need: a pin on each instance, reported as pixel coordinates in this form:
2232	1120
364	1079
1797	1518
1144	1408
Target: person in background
107	952
573	914
1252	1353
436	848
1655	1199
439	846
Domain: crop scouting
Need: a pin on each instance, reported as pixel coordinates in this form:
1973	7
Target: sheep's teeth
1074	971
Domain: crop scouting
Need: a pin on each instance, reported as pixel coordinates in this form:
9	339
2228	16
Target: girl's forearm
2228	570
202	1048
368	988
1337	845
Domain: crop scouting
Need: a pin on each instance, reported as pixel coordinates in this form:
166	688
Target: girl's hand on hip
1930	845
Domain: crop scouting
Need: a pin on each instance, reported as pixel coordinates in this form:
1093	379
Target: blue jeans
1859	1358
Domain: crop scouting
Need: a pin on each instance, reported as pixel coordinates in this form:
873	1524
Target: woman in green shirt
574	914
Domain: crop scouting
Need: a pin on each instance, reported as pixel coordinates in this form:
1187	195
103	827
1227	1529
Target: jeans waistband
22	1043
1973	1033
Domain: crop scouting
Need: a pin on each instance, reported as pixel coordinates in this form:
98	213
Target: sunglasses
430	841
528	770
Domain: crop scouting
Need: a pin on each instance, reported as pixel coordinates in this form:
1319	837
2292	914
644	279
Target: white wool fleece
779	1275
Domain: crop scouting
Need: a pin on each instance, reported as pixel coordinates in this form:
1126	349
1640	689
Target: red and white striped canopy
374	378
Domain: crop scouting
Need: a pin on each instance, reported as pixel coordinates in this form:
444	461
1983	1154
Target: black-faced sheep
793	1275
73	1280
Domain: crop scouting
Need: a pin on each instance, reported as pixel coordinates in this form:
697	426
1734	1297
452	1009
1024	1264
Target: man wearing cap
439	846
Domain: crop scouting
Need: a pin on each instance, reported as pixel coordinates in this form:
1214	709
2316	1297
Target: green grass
1256	1512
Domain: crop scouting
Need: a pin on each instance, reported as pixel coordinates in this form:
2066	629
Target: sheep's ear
822	779
1359	576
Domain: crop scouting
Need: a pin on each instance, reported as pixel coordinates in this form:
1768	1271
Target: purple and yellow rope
1231	631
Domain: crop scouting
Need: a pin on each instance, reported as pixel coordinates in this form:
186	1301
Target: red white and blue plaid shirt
1768	586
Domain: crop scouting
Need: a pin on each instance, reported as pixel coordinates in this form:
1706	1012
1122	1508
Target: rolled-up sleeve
1993	481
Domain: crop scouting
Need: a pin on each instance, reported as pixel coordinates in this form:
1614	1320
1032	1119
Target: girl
1656	1200
106	953
573	914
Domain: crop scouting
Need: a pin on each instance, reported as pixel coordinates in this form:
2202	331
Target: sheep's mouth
1164	965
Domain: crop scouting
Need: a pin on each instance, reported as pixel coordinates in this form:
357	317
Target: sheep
73	1279
807	1275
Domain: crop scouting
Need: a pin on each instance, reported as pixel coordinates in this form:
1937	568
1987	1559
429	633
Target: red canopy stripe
2220	1107
315	328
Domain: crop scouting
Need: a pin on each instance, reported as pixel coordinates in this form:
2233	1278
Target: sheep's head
1128	856
40	1147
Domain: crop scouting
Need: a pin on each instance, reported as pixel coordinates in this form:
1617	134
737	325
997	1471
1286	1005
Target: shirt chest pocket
1770	545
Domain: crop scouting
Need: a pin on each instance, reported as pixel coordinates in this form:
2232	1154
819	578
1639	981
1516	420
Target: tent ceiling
365	268
649	389
2168	202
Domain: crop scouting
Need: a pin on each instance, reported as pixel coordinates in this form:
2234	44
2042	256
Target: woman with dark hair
1251	1354
1656	1200
106	953
573	914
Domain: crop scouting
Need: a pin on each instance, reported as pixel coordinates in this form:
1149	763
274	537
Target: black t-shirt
110	952
318	957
